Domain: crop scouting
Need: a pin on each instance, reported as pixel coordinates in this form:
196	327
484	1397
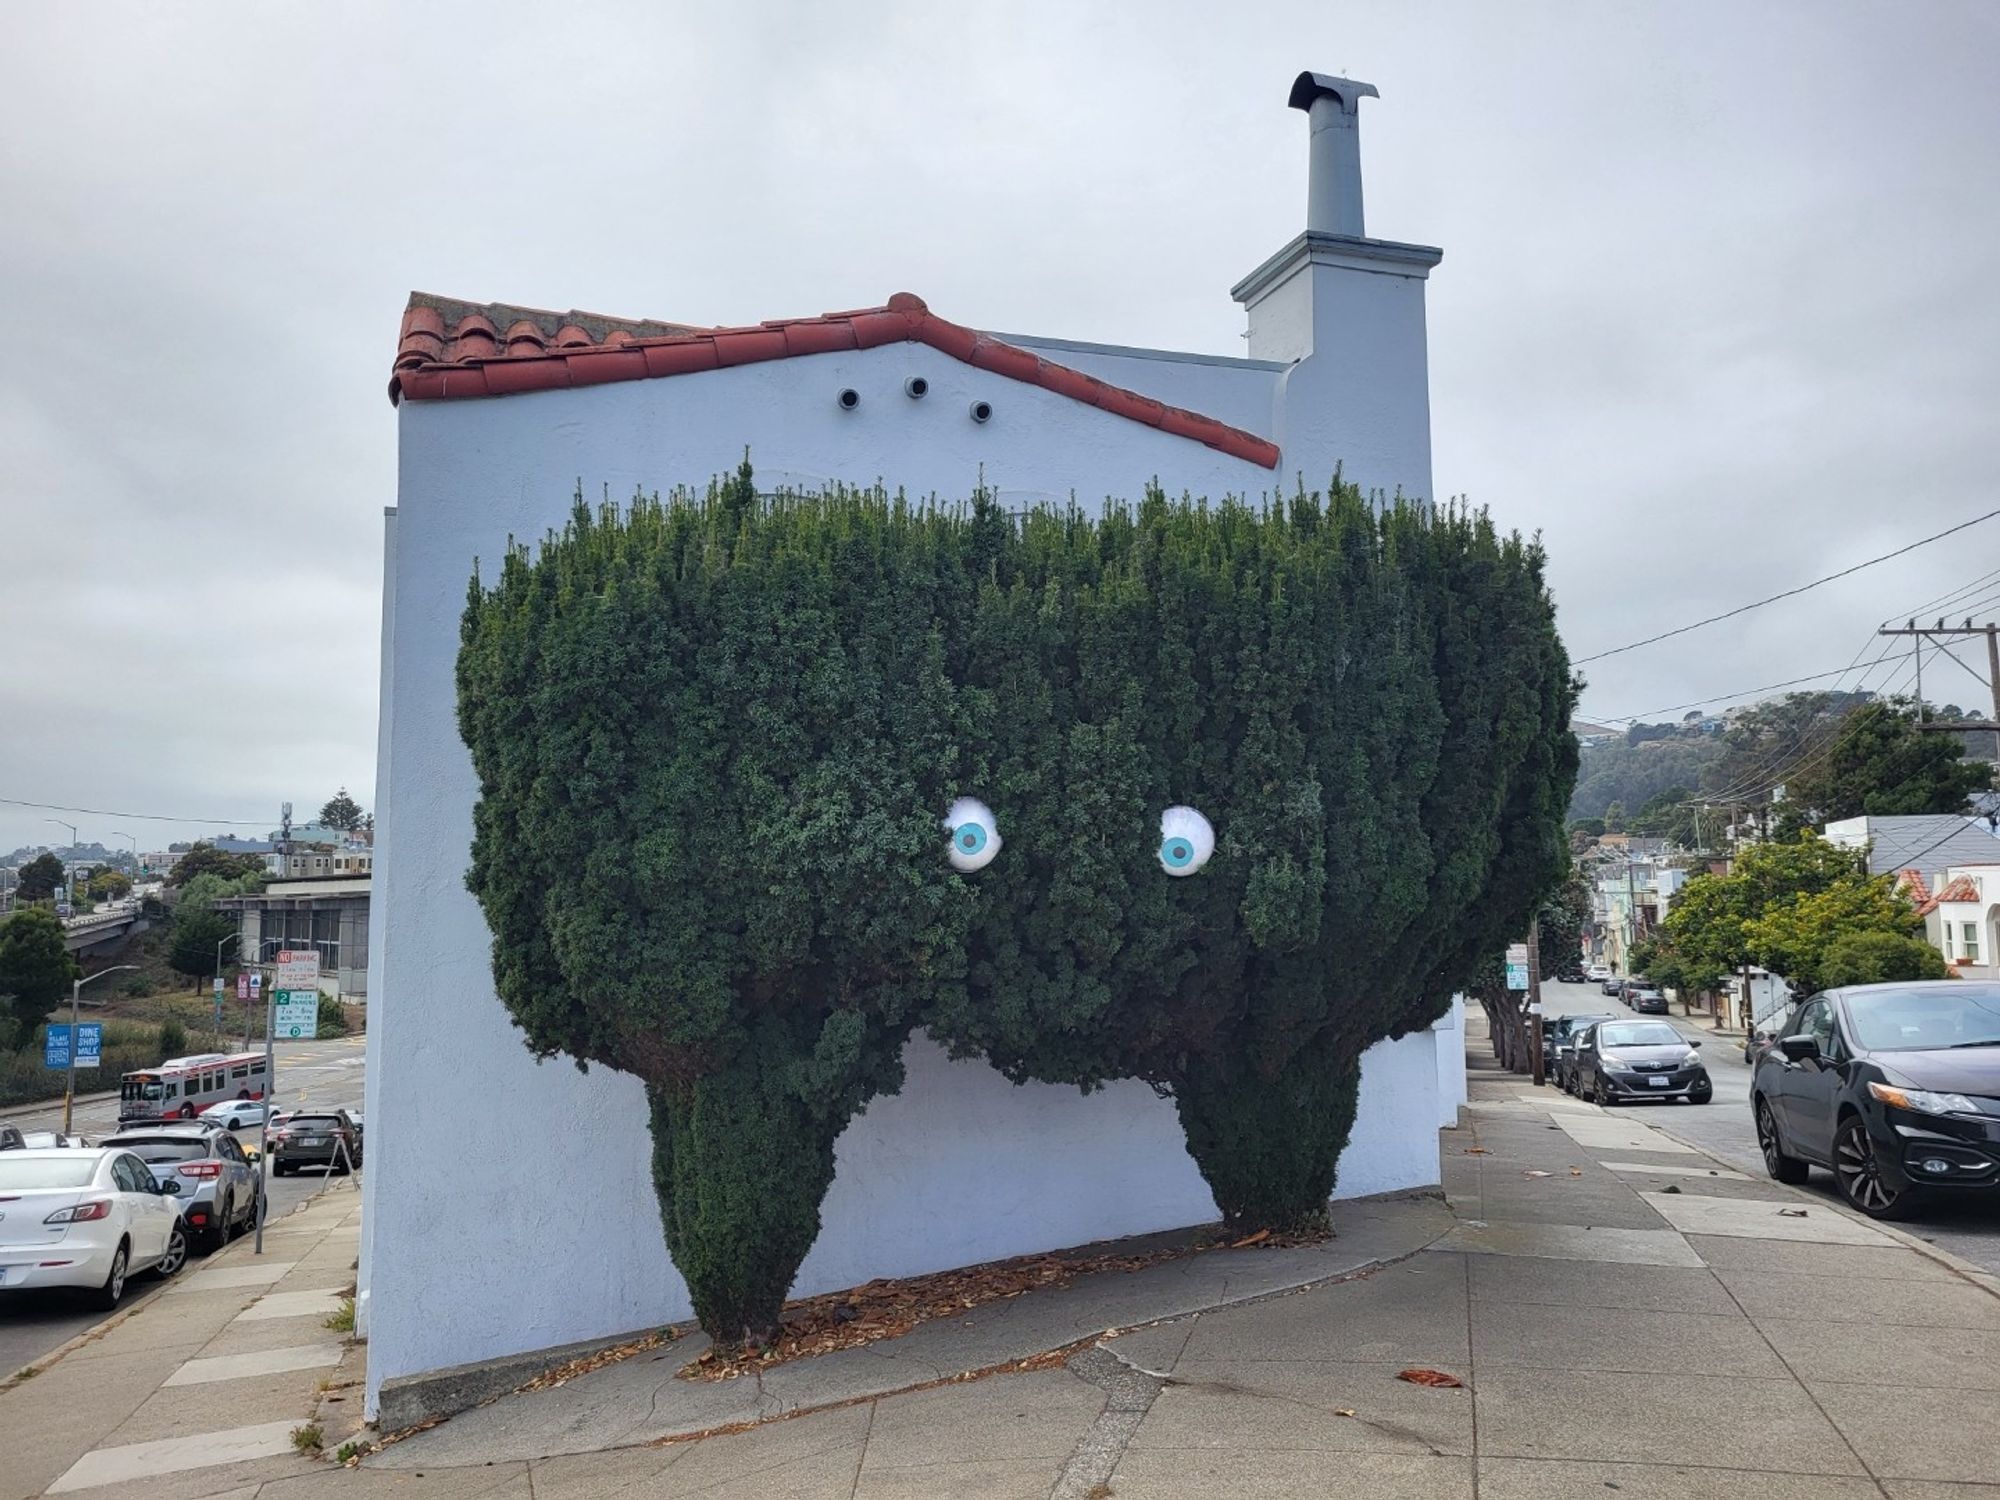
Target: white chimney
1345	313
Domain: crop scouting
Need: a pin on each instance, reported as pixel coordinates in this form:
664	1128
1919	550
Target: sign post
294	985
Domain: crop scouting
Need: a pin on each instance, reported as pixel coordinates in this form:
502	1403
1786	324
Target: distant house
1963	919
1930	843
1588	734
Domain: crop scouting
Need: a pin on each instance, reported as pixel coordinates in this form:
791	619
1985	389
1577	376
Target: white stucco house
549	1234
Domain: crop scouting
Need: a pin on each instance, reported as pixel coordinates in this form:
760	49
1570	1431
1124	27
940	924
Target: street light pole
69	875
76	1036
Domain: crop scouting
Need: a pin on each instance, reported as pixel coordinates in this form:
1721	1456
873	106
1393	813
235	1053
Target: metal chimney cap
1345	92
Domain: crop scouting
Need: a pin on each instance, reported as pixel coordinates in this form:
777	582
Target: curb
1955	1264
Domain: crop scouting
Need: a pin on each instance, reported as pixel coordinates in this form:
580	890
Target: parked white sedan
85	1219
235	1114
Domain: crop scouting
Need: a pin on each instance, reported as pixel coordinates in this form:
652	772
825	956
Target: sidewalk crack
1129	1395
861	1458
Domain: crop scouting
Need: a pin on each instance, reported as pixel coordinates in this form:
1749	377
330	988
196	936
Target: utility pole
1943	633
1535	996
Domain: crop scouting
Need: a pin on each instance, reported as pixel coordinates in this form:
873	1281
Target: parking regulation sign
297	1014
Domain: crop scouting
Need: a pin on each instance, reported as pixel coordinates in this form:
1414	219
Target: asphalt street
1966	1227
323	1075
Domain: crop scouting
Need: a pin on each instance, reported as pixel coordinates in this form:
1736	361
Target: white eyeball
1186	841
975	836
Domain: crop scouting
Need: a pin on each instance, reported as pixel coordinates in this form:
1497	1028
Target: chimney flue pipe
1333	185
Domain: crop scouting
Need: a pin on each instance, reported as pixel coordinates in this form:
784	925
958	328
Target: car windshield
47	1171
1639	1034
1921	1017
162	1151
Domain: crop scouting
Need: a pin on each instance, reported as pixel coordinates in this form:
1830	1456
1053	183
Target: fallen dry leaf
1538	1174
1436	1378
1791	1213
1576	1171
1476	1151
1343	1411
1251	1239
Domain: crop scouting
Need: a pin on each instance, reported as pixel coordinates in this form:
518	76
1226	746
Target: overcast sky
1717	313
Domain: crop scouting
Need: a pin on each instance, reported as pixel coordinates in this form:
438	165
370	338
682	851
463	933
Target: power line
1944	601
100	812
1740	609
1791	761
1769	687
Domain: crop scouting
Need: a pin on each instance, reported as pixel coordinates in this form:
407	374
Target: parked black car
1572	974
1617	1061
1646	999
328	1139
1894	1087
1559	1035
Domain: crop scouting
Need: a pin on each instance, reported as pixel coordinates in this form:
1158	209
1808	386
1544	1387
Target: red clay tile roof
451	350
1962	888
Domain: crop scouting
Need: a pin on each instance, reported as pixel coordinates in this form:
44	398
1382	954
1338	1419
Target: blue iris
1176	853
968	838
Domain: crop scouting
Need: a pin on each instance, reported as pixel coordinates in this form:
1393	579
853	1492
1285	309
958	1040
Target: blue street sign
55	1047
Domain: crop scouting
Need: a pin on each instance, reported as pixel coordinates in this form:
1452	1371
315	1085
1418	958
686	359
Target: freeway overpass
105	928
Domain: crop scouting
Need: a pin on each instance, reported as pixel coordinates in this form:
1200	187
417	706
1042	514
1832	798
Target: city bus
183	1087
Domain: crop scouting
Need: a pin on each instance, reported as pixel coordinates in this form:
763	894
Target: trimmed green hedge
716	737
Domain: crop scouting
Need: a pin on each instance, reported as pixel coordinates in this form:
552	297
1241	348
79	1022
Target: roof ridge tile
438	358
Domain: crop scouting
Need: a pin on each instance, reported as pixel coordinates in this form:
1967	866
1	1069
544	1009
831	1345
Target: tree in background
1781	907
109	885
1614	818
198	927
1632	774
205	859
1672	815
1877	958
341	811
40	878
1879	763
35	971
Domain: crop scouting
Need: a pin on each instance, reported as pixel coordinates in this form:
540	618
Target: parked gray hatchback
218	1186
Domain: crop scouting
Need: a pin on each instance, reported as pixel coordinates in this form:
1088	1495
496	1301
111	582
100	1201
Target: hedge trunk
740	1165
1270	1148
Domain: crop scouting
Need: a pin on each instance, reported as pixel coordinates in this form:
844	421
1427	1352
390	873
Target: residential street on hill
1966	1227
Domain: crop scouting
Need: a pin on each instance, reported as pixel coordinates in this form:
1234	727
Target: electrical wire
1791	761
1944	601
100	812
1740	609
1769	687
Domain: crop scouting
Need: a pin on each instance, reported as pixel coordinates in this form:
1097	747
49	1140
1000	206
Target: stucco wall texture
509	1203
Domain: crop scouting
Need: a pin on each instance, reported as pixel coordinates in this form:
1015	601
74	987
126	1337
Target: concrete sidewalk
197	1391
1624	1312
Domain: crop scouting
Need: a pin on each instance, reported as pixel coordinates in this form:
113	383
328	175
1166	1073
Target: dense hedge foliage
716	736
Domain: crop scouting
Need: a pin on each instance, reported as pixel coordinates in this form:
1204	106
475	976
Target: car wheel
106	1297
1858	1170
1701	1093
187	1111
250	1217
176	1253
1785	1168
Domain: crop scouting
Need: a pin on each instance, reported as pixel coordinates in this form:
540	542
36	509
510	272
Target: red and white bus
182	1088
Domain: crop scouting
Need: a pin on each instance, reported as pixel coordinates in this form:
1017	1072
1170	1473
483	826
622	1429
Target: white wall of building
961	1167
1448	1039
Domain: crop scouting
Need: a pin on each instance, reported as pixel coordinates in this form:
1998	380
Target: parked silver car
218	1186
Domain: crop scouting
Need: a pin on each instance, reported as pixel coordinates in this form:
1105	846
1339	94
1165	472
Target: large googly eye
975	836
1186	841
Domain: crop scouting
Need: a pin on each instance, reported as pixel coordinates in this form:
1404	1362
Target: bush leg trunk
741	1166
1269	1147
